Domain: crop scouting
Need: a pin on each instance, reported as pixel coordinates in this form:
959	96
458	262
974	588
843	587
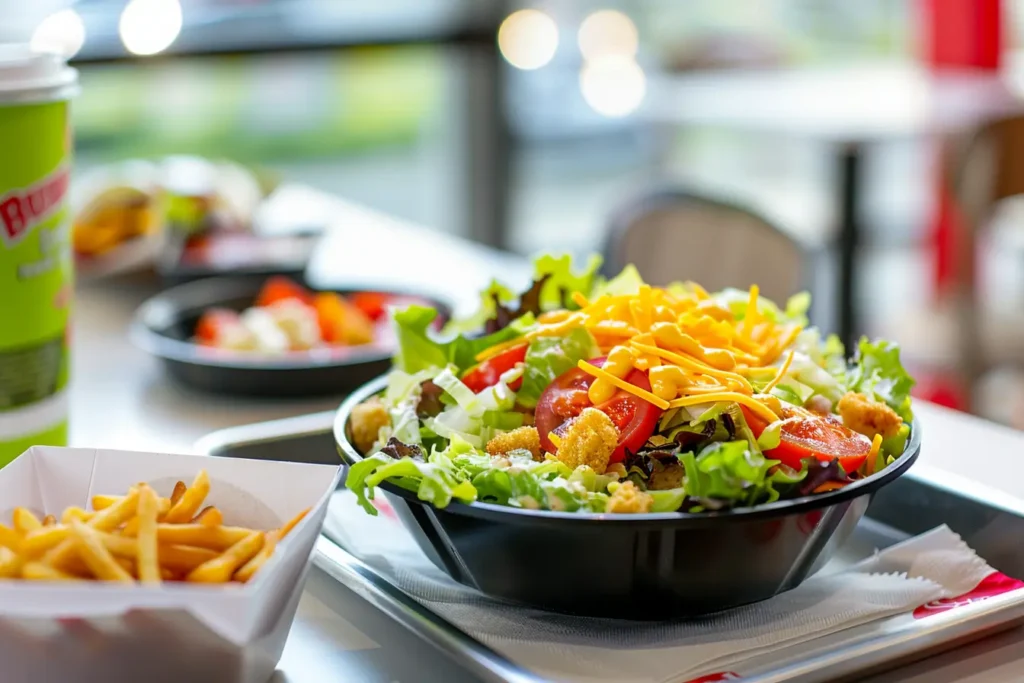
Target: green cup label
35	275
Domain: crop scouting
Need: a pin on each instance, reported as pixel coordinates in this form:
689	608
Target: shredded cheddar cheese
752	316
580	300
780	374
727	397
623	384
694	365
690	343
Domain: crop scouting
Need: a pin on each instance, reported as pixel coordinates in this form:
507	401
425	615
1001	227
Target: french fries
25	521
220	568
138	537
75	513
210	516
187	506
147	550
96	556
273	538
178	492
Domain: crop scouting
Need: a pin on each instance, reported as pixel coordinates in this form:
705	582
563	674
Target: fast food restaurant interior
224	220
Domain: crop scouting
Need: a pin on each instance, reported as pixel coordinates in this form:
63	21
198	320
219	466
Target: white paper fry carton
186	633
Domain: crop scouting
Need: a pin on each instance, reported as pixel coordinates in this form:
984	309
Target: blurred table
848	108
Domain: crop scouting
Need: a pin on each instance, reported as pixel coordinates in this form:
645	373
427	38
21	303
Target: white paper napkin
935	565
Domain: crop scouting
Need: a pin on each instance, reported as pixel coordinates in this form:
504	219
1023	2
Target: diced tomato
280	288
567	396
373	304
487	373
341	322
211	326
819	436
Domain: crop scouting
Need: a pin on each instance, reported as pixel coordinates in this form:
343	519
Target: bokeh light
150	26
607	33
613	86
528	39
62	33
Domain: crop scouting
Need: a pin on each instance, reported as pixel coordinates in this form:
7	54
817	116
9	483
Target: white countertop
120	399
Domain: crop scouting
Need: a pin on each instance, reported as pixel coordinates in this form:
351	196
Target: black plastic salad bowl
637	566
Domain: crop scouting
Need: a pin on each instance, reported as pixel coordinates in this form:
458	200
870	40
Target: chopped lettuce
826	353
553	286
805	378
418	350
435	481
505	421
518	481
464	397
731	471
804	371
401	397
668	500
560	282
897	443
878	373
626	282
797	307
585	476
771	437
474	417
496	295
549	357
793	393
737	300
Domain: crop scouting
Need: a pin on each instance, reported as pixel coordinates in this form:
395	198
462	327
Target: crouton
628	499
589	439
366	421
524	438
868	417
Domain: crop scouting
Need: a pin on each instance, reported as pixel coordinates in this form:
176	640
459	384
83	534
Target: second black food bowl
645	566
165	324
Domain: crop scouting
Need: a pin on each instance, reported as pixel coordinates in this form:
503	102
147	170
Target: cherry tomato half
372	304
279	288
820	436
566	397
487	373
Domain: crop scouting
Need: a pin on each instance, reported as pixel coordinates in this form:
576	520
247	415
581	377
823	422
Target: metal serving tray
989	521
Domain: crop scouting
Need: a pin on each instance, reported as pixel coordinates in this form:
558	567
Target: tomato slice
213	322
816	436
567	396
487	373
280	288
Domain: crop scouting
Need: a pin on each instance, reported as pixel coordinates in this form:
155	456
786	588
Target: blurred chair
673	235
985	168
725	51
